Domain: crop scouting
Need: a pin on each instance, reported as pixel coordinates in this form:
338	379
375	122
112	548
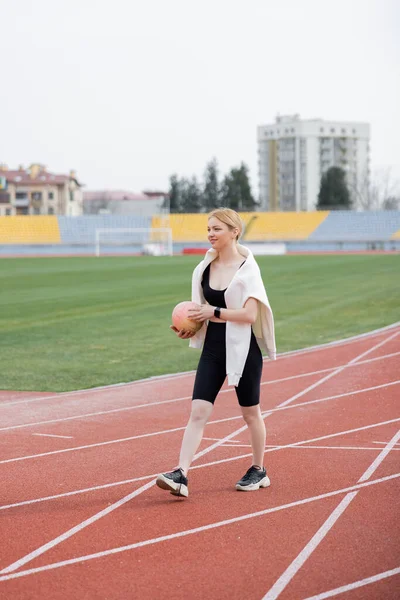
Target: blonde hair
229	217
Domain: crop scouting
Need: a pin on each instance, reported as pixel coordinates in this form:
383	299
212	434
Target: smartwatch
217	313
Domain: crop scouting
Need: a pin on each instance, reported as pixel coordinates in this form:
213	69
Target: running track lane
310	472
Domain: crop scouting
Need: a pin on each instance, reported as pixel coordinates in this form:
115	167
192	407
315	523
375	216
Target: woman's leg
200	413
256	425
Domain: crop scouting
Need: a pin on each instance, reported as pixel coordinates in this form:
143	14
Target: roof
113	195
23	177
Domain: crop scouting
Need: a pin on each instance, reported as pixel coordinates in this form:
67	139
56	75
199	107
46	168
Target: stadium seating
281	226
396	236
357	226
81	230
27	229
299	230
259	226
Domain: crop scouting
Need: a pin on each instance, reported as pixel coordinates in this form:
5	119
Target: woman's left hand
201	313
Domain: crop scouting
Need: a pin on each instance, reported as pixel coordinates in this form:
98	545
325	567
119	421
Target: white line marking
384	443
303	556
42	549
199	529
283	355
67	437
185	398
268	411
234	442
340	369
209	464
355	585
331	447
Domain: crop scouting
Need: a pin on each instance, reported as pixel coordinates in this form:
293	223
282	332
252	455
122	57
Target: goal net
145	240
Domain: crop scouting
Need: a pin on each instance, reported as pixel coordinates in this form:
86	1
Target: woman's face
219	234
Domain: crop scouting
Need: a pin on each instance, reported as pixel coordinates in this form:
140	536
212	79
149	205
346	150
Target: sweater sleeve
264	327
197	340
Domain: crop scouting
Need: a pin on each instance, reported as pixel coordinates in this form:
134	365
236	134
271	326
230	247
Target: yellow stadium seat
260	226
29	229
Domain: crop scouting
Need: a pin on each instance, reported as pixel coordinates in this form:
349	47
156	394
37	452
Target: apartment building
35	191
293	154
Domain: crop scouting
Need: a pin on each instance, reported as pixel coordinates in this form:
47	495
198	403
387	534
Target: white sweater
246	283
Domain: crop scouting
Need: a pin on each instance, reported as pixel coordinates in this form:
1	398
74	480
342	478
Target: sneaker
175	482
254	479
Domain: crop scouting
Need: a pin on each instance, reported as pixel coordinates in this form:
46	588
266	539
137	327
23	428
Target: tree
191	196
236	191
333	193
175	196
381	193
211	192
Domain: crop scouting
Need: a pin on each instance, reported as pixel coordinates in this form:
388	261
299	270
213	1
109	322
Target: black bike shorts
211	371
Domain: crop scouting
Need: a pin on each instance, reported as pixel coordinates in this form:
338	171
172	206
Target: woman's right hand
184	335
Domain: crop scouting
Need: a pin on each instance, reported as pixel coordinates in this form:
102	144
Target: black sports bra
213	297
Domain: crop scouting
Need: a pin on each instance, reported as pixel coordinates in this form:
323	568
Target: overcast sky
127	92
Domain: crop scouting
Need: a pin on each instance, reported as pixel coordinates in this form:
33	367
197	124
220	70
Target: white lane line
332	447
186	398
209	464
234	442
52	435
269	411
355	584
341	368
200	529
384	443
151	380
303	556
51	544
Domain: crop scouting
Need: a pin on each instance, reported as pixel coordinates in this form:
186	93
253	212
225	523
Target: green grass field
73	323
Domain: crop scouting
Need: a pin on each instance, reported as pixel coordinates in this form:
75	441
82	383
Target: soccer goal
145	241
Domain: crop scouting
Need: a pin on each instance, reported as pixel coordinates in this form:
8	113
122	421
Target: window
332	130
8	211
36	210
51	195
50	210
21	195
321	129
71	195
36	196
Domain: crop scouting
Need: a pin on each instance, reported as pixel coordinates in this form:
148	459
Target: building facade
35	191
293	154
120	202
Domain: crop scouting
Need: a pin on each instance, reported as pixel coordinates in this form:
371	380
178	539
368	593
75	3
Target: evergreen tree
175	196
211	192
236	191
333	193
191	196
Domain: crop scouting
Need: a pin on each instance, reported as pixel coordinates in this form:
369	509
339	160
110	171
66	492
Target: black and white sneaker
175	482
254	479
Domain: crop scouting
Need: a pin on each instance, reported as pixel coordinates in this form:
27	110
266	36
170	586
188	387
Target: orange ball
180	318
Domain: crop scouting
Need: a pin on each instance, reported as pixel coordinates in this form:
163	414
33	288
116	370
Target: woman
230	295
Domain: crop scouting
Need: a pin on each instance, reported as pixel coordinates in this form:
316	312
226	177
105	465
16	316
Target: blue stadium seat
357	226
81	230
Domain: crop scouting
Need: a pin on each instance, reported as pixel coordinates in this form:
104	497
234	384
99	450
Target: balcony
21	202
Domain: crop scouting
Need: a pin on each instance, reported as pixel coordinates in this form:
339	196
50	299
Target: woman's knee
251	414
201	410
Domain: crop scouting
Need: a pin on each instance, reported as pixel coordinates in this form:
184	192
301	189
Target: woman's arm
247	314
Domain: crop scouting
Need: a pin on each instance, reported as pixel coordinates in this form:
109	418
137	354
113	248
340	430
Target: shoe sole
177	489
254	486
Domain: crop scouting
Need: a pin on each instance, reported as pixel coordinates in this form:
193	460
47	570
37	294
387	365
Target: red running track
81	517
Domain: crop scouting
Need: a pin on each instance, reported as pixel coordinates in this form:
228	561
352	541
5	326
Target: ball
180	318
